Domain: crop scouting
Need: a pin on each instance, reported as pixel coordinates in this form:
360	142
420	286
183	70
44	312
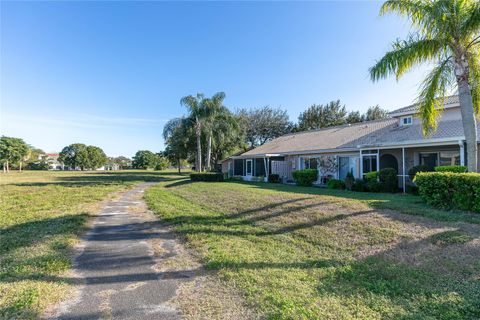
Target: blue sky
111	73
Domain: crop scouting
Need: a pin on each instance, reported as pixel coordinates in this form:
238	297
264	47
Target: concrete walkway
117	266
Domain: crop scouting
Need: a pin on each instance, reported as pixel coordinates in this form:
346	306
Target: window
449	158
249	167
429	159
406	121
308	163
369	163
346	165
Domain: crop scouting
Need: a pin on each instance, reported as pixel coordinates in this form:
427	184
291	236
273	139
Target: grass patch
41	216
308	253
450	237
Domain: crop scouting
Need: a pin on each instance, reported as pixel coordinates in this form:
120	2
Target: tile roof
348	137
414	107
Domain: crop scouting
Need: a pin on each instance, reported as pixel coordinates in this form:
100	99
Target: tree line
210	131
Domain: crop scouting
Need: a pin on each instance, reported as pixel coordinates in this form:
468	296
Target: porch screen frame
247	174
368	153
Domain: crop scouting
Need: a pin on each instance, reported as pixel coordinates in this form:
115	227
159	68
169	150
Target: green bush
388	180
305	177
207	176
373	175
349	180
335	184
373	185
359	185
415	169
457	169
273	178
450	190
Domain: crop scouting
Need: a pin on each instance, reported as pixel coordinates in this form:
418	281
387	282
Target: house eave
415	143
394	114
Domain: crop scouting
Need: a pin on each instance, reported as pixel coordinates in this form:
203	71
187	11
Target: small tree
12	151
144	159
96	157
375	113
322	116
264	124
74	156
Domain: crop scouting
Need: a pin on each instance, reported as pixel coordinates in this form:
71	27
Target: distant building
52	161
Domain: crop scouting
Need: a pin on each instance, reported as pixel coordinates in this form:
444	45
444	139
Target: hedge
207	176
305	177
388	180
450	190
416	169
273	178
335	184
457	169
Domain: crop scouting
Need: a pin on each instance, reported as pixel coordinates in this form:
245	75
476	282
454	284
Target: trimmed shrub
450	190
349	180
273	178
335	184
388	180
305	177
371	176
373	185
415	169
359	185
457	169
207	176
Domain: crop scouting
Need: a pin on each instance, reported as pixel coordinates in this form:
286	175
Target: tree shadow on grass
90	178
408	204
28	233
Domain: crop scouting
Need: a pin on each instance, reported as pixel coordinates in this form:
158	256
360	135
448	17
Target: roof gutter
414	143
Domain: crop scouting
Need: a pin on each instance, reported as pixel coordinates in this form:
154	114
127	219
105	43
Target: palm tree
198	114
447	34
214	106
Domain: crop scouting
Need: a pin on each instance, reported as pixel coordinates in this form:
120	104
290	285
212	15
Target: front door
249	165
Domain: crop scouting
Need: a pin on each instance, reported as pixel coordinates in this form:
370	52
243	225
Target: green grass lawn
310	253
41	216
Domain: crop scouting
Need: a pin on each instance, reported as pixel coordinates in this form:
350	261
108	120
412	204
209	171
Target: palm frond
405	55
474	81
472	23
432	94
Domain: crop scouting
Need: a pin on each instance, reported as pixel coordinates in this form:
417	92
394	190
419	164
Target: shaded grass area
41	216
307	253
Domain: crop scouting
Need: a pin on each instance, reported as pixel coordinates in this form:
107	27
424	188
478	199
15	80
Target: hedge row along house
396	142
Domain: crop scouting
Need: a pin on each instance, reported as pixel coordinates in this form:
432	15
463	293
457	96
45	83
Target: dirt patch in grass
201	295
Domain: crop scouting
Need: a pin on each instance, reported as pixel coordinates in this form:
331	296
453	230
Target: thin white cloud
78	121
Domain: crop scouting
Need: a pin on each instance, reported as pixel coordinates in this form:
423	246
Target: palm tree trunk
209	152
468	115
198	132
20	166
8	167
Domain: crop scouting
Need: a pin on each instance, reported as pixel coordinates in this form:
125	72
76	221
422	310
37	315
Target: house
396	142
52	161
